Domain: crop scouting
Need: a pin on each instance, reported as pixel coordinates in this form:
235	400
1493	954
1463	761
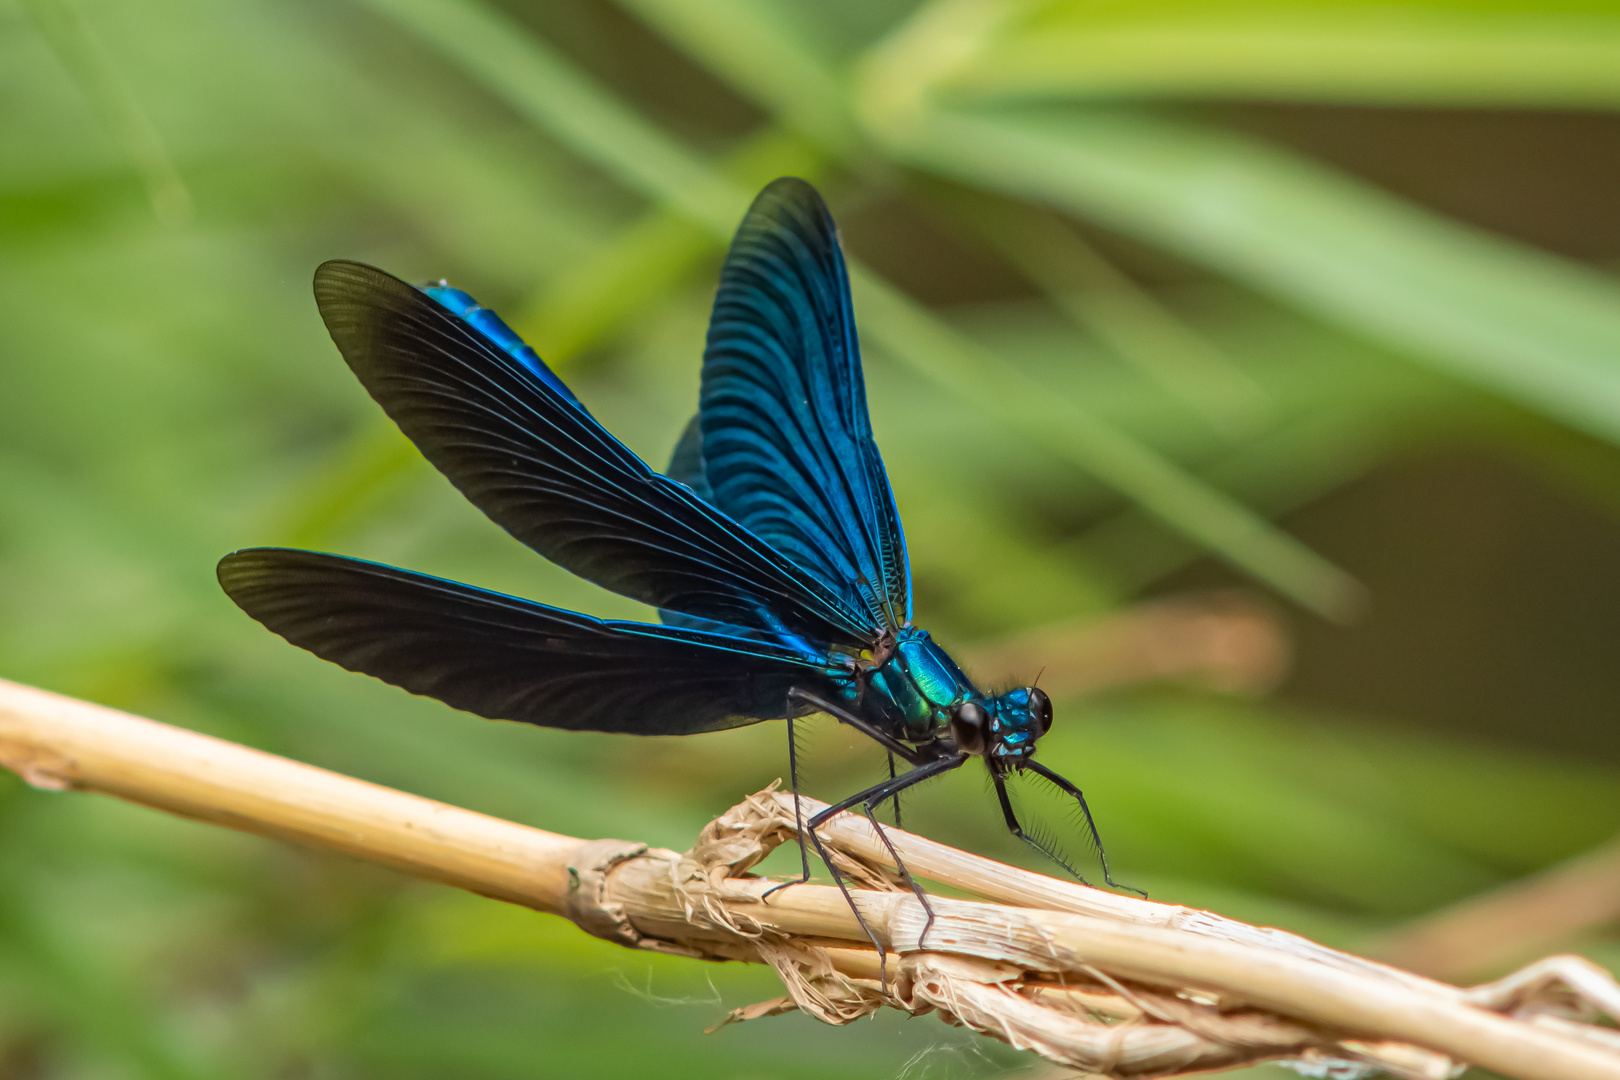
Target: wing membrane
506	658
533	460
787	443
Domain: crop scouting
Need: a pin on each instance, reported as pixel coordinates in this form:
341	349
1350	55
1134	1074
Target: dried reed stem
1089	979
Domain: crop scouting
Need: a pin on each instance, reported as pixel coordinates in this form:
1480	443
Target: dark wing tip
269	581
790	201
791	189
265	584
335	276
254	577
350	296
238	570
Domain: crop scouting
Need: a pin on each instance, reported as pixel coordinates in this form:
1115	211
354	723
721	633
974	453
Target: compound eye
1040	707
968	726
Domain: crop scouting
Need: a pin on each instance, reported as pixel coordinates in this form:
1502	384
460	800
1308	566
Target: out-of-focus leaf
1540	330
1564	54
758	50
1339	408
619	279
78	988
1129	319
85	57
553	93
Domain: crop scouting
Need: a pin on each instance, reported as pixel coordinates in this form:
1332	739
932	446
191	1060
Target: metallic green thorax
916	689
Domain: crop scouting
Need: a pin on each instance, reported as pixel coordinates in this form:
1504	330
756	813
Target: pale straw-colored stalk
1089	979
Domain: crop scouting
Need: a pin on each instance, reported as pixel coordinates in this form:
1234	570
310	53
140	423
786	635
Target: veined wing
528	455
686	467
787	443
686	462
506	658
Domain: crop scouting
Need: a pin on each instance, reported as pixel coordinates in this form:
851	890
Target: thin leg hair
894	746
1017	830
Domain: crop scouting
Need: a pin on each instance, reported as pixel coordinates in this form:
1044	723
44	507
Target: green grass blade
1128	319
758	54
85	58
1560	55
1537	329
559	98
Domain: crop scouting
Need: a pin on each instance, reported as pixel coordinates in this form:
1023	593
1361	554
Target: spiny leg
849	898
877	793
888	742
1018	831
870	798
1096	839
896	799
796	694
900	865
874	795
798	811
842	715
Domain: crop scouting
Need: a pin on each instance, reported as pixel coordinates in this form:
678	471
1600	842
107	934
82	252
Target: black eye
1040	707
968	727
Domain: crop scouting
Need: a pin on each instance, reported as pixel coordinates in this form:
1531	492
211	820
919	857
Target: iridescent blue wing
686	463
787	443
512	659
527	454
686	467
494	329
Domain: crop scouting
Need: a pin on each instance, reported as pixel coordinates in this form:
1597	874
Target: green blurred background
1199	336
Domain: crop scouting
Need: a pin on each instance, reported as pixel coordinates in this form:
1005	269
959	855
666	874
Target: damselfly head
1004	729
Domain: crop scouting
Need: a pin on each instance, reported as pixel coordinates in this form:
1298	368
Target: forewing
787	443
512	659
529	456
686	467
686	463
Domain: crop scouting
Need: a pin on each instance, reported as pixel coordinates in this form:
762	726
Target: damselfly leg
893	746
798	813
896	799
1046	849
869	800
